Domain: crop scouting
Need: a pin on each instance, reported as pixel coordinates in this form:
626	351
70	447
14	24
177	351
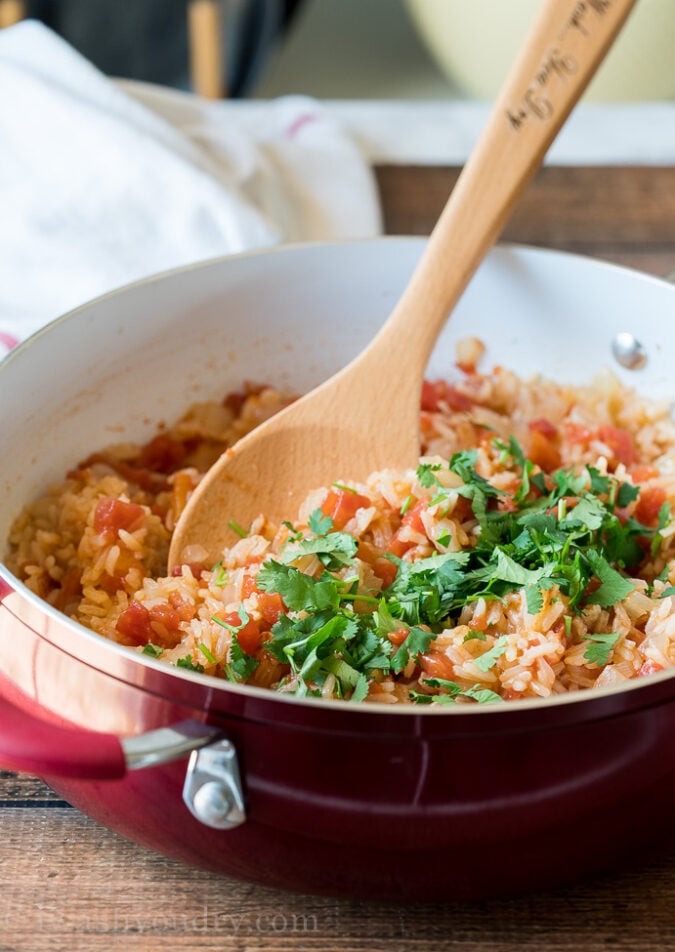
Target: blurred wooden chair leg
11	11
207	59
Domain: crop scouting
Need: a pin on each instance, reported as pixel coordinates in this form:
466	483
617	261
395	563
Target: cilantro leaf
189	664
614	587
319	523
416	643
600	485
244	619
599	647
450	686
333	549
626	494
489	658
483	695
300	592
425	474
153	650
207	653
360	692
477	635
589	512
241	665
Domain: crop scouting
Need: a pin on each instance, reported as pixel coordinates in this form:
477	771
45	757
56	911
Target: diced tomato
134	624
429	401
543	426
183	607
139	476
248	586
69	589
413	520
195	567
111	515
165	625
436	664
649	667
235	400
576	432
620	443
543	452
160	624
641	472
269	670
249	636
163	454
398	637
455	399
385	570
342	505
649	503
433	394
111	583
270	604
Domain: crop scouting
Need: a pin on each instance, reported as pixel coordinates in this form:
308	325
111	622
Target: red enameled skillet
326	797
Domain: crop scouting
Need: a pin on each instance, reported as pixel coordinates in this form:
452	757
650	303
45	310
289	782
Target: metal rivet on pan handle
212	791
628	351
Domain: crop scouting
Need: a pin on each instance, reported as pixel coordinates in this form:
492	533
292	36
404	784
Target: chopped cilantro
489	658
415	644
241	665
300	592
235	527
613	588
244	619
189	664
406	504
599	647
333	550
626	494
319	523
556	533
220	574
207	654
453	691
153	650
483	695
667	591
426	474
477	635
600	485
293	533
347	489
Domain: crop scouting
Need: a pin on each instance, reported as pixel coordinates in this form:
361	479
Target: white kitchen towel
97	190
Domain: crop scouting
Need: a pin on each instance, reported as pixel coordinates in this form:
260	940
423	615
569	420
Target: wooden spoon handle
559	57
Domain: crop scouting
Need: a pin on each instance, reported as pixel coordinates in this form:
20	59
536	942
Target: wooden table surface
67	883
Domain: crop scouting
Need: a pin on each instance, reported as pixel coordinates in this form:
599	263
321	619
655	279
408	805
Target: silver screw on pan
212	791
213	804
628	351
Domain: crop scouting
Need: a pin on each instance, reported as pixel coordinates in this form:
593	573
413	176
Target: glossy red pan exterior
327	797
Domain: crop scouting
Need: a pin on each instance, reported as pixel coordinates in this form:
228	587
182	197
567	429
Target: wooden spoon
366	417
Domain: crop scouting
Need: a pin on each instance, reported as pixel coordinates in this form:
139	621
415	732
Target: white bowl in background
474	42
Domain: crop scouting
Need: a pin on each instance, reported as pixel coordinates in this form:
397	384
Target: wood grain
620	214
66	883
